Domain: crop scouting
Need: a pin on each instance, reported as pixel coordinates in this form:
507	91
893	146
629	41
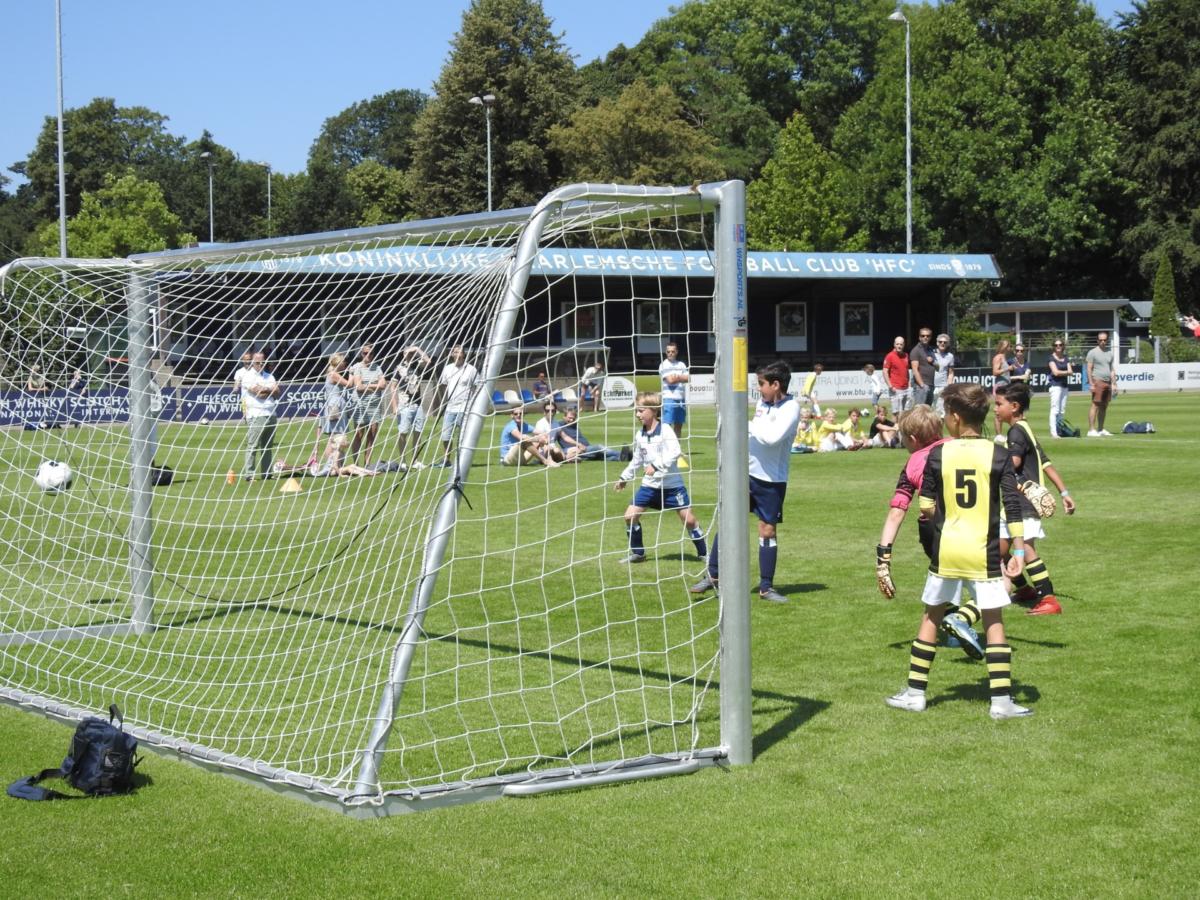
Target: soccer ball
204	420
54	476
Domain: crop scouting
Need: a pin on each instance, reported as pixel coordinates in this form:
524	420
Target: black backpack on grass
1063	428
100	762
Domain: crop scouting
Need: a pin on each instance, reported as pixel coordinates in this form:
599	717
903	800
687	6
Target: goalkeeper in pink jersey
921	431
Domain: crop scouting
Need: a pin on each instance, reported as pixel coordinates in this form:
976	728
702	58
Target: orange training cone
231	477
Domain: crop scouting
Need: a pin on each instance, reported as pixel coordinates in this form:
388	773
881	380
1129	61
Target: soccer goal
328	570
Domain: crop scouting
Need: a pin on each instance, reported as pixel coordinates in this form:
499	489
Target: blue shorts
660	498
449	423
411	418
766	499
674	412
334	426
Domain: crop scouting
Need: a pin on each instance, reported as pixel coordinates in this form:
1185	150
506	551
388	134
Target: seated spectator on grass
831	434
576	446
333	463
883	431
547	428
541	387
806	433
519	446
856	430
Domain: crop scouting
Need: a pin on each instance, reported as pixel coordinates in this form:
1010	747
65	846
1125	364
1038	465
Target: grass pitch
1095	796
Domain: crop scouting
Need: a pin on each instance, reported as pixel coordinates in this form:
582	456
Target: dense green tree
380	193
1014	147
639	138
126	215
505	48
100	139
379	130
1158	53
1164	317
16	221
798	203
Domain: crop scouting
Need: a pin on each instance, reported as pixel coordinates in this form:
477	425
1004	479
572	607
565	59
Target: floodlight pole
208	157
899	16
62	175
487	101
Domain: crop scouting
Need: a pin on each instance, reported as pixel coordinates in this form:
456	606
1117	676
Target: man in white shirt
674	375
457	383
772	432
260	393
244	368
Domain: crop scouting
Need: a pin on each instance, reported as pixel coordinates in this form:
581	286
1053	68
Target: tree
1014	148
16	221
505	48
798	203
125	216
1158	56
639	138
379	192
100	139
1164	316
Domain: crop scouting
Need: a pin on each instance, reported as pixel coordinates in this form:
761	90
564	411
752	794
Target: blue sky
261	75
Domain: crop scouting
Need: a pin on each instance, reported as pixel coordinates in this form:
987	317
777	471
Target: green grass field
1096	795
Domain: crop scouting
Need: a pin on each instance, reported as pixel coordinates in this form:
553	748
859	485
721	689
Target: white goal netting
272	567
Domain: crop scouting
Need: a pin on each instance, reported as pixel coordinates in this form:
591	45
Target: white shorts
989	593
1033	529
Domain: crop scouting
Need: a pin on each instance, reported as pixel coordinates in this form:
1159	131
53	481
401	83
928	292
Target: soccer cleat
1092	432
913	701
633	558
1026	594
704	585
1048	606
417	466
1004	708
954	625
1104	432
772	596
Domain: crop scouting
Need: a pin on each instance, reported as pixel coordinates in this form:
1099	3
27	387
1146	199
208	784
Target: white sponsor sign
618	393
1158	377
702	390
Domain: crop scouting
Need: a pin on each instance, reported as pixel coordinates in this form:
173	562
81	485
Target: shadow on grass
806	588
796	710
977	692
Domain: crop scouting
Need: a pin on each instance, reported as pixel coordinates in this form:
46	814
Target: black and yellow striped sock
1021	581
1037	574
920	661
970	612
999	664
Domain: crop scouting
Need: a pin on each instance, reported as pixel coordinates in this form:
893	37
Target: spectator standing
1102	377
369	385
876	386
896	368
244	368
943	370
408	401
1018	366
260	393
809	395
456	383
36	382
592	385
674	375
1060	371
335	415
77	392
923	369
1192	324
1001	372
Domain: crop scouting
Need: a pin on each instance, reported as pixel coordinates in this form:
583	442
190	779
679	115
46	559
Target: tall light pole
208	157
62	175
487	101
267	166
898	16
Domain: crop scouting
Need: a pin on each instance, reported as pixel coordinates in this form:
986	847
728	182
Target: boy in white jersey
771	434
674	375
656	454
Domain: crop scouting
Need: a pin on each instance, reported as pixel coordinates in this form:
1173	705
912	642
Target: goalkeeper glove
883	570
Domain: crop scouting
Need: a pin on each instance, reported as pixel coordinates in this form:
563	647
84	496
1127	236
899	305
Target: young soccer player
965	483
656	453
772	431
921	431
1030	463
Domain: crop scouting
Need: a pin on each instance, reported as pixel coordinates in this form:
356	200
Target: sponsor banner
1039	379
109	405
702	390
618	393
1158	377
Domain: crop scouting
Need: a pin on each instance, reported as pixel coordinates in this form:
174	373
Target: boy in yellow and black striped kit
966	482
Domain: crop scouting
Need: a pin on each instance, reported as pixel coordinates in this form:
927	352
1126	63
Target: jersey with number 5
966	482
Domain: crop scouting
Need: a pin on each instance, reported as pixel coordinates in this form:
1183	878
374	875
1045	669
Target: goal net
295	545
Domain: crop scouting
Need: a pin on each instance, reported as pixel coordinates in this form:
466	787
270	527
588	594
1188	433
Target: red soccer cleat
1048	606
